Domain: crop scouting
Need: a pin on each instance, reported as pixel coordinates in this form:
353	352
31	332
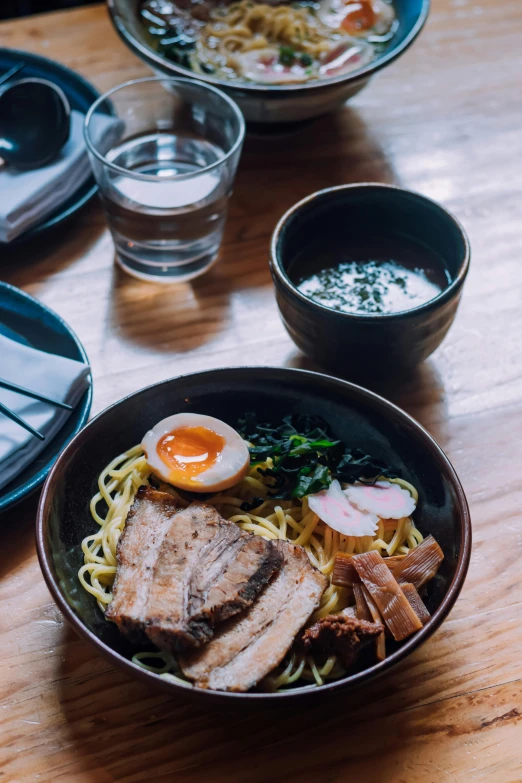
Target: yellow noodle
246	26
289	520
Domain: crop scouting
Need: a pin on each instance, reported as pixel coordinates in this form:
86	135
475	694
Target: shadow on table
166	317
124	732
333	150
34	261
420	392
17	526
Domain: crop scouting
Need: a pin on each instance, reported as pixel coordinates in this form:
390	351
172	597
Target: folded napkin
28	197
55	376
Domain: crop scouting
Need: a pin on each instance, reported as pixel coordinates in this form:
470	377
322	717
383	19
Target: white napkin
28	197
55	376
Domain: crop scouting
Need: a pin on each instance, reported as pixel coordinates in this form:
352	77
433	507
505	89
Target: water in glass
171	228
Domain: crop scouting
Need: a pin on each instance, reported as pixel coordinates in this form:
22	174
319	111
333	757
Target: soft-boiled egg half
196	452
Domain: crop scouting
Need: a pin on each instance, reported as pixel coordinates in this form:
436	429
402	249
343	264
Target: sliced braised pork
341	635
148	520
207	570
247	648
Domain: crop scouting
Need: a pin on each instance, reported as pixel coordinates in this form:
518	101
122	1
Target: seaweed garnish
306	457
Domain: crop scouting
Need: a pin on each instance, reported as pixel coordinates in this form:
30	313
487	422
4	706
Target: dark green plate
25	319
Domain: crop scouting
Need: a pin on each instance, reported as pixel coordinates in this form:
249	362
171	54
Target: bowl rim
351	390
150	56
280	273
176	80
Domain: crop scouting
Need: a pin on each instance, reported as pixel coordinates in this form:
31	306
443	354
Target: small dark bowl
359	417
320	229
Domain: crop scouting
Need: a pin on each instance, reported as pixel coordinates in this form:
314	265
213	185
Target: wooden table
446	121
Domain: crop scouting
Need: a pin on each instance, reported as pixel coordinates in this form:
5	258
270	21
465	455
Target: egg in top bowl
197	453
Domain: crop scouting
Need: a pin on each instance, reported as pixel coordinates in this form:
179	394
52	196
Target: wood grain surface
444	120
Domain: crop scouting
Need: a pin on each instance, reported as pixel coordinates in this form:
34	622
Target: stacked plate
28	322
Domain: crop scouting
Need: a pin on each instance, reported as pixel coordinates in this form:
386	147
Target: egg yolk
360	17
189	451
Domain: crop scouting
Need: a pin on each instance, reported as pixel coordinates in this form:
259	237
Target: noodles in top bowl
270	44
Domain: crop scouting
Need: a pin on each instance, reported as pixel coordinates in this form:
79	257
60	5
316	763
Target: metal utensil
13	416
35	395
34	121
11	72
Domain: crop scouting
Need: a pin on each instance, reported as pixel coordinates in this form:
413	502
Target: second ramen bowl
359	417
275	104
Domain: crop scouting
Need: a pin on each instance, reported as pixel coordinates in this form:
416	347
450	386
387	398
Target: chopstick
12	415
11	72
35	395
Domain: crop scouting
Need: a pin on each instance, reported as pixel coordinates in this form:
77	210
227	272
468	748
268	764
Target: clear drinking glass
164	153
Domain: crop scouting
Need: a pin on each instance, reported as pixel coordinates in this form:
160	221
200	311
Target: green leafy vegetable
306	457
286	56
178	46
305	60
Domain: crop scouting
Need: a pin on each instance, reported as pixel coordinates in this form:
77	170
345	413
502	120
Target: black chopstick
35	395
12	415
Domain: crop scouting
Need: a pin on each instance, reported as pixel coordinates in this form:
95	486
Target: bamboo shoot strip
380	642
361	607
345	575
350	611
387	594
421	564
416	602
394	562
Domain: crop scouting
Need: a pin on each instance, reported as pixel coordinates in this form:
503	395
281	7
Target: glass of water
164	153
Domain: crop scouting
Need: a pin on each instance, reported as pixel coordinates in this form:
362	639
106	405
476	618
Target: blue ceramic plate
25	319
81	95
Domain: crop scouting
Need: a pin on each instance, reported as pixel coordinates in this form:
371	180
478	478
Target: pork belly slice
341	635
247	648
421	564
387	595
148	520
207	570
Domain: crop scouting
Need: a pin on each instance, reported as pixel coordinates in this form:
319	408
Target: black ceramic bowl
320	230
359	417
276	103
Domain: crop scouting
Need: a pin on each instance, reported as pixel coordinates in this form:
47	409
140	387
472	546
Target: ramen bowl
326	225
359	417
277	103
